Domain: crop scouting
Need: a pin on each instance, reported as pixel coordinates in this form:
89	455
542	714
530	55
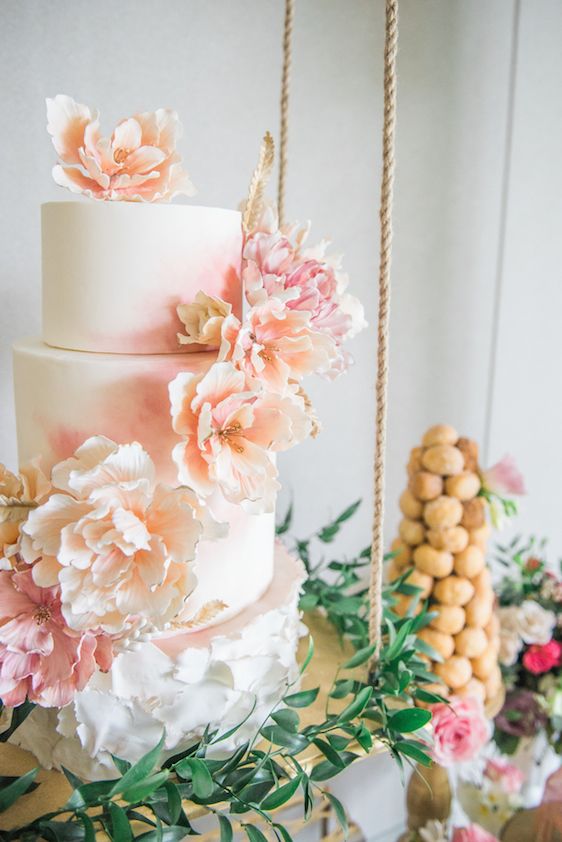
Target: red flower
539	659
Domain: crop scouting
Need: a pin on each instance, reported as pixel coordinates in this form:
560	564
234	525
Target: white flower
203	320
535	623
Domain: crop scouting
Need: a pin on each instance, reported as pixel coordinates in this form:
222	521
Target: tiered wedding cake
141	590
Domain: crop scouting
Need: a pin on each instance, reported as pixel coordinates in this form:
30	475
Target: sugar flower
229	433
542	658
504	478
41	658
203	320
18	495
277	266
138	162
433	831
274	345
460	730
117	543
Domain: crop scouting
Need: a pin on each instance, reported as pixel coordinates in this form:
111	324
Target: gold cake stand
54	789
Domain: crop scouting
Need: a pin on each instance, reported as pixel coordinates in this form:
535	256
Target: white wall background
477	287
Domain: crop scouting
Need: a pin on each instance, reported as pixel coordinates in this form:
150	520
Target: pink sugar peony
117	543
230	432
460	730
274	345
509	776
542	658
40	656
138	162
306	280
472	833
504	478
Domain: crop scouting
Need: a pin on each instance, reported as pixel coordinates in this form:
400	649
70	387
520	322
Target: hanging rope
389	123
284	127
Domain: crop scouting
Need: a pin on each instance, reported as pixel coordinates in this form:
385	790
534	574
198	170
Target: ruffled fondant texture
178	684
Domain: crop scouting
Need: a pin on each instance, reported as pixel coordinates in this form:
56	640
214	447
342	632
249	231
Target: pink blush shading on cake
114	273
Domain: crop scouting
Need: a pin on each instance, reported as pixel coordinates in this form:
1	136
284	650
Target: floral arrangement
493	799
460	730
530	597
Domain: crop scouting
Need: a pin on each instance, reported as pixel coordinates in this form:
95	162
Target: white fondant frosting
178	684
64	397
114	272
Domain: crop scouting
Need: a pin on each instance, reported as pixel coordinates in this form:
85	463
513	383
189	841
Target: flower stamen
227	434
42	615
121	154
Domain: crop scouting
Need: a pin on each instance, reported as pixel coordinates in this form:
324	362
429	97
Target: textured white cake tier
114	272
64	397
180	684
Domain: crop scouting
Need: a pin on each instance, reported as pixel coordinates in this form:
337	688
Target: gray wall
476	282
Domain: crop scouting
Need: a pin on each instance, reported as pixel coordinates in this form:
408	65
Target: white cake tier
64	397
178	685
114	272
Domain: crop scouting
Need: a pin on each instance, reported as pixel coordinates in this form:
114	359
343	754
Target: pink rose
472	833
504	478
509	776
538	659
40	656
460	730
138	162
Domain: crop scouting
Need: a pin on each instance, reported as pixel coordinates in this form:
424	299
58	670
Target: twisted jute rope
387	186
284	115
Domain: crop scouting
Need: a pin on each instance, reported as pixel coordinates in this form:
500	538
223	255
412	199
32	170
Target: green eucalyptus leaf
254	834
279	737
329	752
357	706
342	688
415	750
281	795
196	770
282	833
302	699
409	719
146	787
339	810
139	771
10	794
62	831
89	829
309	655
287	719
360	657
74	781
121	765
89	794
120	827
225	826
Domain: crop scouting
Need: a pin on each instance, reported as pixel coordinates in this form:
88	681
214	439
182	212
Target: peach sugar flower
230	432
117	543
203	320
40	656
274	345
19	494
138	162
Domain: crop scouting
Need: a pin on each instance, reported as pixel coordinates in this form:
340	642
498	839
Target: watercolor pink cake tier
115	272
